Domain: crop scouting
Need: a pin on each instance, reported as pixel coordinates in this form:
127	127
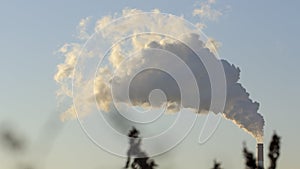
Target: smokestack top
260	155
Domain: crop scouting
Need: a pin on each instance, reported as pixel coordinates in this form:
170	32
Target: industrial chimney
260	155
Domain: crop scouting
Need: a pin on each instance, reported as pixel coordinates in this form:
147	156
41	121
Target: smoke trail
239	107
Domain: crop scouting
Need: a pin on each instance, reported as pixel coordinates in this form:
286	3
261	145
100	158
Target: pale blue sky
260	37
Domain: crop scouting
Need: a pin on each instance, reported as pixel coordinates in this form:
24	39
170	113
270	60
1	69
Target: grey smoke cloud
112	77
239	107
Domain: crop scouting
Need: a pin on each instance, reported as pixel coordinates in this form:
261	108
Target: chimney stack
260	155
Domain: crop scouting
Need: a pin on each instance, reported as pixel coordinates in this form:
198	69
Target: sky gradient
259	37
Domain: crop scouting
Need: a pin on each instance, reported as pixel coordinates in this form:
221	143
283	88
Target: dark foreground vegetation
142	161
274	152
250	160
137	158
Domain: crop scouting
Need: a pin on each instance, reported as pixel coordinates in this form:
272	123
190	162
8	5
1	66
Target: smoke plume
239	107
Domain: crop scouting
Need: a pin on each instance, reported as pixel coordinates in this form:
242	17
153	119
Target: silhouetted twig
250	159
217	165
274	151
141	160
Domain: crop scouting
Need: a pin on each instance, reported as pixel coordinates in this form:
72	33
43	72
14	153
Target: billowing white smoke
239	108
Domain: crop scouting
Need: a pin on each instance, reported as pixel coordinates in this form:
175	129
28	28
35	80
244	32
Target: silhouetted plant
217	165
274	151
11	139
141	160
250	159
14	142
